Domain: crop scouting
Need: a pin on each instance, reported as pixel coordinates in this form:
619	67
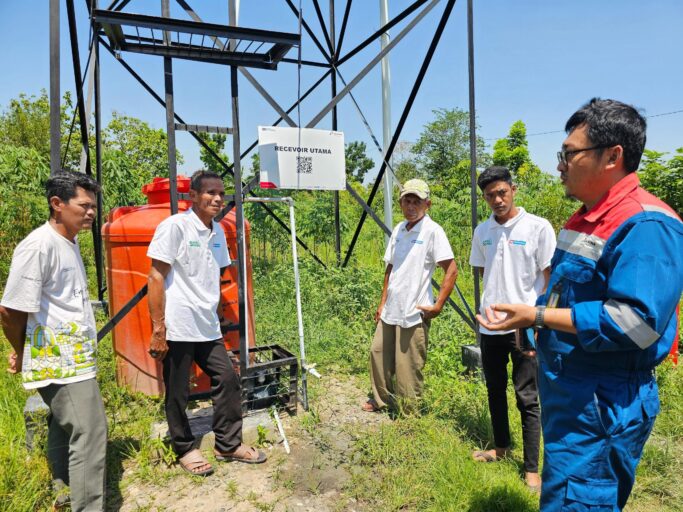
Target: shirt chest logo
487	242
193	243
418	242
516	242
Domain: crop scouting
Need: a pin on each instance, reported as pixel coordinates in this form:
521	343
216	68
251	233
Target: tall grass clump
422	463
24	475
338	306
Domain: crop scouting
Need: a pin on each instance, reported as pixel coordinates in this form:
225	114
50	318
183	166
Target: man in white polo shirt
189	254
399	347
512	250
47	317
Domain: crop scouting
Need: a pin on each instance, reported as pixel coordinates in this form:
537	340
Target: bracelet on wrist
539	321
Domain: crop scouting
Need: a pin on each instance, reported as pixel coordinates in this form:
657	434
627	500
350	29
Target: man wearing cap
399	347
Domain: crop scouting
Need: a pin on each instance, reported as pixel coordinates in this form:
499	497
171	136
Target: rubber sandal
245	454
536	489
193	460
61	503
370	406
483	456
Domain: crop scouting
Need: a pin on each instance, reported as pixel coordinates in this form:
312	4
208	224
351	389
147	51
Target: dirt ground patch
311	478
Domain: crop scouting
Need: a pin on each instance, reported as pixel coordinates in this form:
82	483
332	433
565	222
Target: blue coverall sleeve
644	284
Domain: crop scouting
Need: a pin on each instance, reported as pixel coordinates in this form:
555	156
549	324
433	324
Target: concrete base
471	358
201	420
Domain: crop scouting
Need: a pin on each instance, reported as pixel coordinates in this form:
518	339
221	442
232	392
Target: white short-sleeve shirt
47	281
196	254
513	256
413	255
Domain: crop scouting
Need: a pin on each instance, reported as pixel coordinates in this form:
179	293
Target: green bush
23	207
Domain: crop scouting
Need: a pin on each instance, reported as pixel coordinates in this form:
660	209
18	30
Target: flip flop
482	456
246	454
193	460
370	406
536	489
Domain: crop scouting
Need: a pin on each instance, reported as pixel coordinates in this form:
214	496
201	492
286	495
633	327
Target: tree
357	161
513	153
664	179
26	123
405	163
23	207
443	149
133	154
216	141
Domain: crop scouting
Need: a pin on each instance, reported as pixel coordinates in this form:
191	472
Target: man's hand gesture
506	317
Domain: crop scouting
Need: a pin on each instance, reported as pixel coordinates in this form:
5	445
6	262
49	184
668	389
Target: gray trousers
77	441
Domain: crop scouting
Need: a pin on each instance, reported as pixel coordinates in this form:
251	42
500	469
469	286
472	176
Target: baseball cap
416	187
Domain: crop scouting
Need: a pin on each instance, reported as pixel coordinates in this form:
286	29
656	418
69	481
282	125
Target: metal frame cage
240	48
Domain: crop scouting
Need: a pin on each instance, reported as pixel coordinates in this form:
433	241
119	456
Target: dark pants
213	359
495	350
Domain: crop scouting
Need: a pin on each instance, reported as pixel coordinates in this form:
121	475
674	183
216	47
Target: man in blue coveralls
608	317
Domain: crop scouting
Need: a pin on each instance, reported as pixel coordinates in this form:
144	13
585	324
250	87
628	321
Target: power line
562	131
666	114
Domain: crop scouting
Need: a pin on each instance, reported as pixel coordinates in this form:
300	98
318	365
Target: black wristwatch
539	322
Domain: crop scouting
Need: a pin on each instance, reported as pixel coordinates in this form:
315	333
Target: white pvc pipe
297	285
386	119
281	429
295	260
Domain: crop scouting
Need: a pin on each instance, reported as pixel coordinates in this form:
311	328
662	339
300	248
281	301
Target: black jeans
494	354
213	359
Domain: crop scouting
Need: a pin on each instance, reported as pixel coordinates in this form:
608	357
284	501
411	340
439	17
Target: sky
535	60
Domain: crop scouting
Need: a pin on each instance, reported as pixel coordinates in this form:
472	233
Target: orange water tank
126	235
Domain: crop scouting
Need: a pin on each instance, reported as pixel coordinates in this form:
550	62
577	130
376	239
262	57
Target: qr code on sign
304	164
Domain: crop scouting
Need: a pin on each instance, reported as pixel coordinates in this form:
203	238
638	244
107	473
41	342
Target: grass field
412	463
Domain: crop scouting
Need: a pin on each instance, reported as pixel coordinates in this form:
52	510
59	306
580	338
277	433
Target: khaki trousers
398	353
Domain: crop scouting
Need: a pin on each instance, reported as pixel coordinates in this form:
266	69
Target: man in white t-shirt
399	347
512	250
189	254
47	317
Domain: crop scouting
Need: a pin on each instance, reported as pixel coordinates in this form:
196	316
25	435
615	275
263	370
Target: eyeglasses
562	155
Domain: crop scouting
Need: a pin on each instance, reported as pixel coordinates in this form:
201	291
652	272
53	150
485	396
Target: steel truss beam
171	46
55	95
342	32
192	27
402	120
396	20
228	168
372	64
83	122
331	56
331	106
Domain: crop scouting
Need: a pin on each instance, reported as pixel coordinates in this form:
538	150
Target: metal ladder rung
202	128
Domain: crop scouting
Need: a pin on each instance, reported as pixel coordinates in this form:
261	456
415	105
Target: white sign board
302	159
